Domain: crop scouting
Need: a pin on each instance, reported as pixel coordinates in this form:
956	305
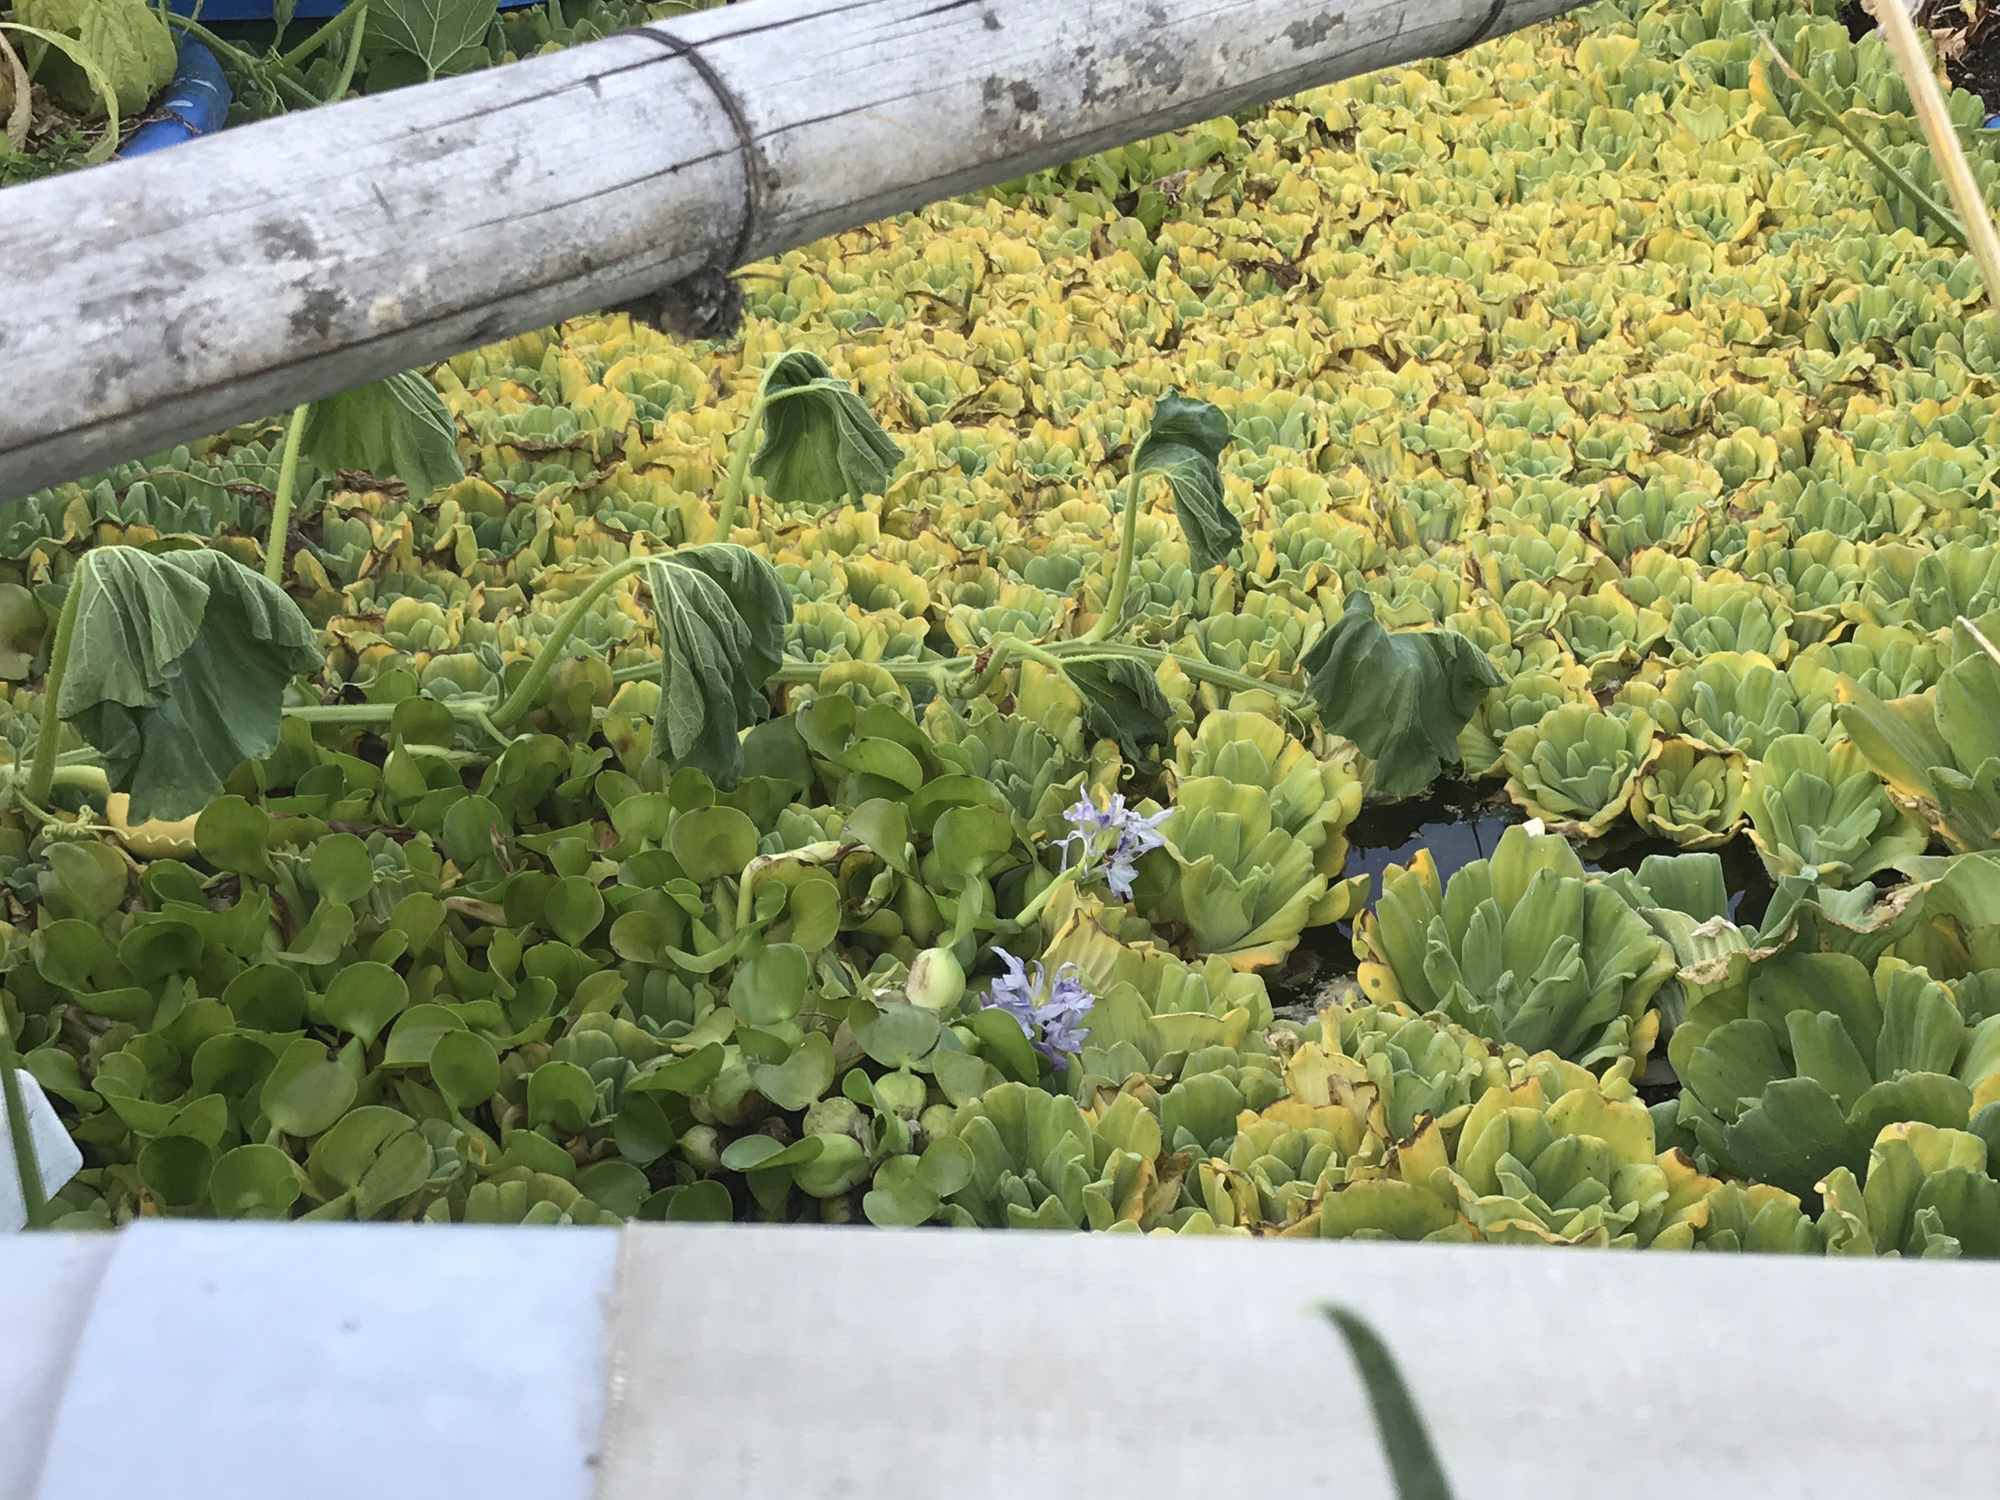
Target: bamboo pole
158	300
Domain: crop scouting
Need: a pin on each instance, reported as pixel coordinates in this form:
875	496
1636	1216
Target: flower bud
937	980
702	1146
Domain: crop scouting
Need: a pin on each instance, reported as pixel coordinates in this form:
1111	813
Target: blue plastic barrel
196	103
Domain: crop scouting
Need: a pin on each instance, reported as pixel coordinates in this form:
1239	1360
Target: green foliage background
1593	346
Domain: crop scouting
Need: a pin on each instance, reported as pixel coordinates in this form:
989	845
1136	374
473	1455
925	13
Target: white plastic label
55	1152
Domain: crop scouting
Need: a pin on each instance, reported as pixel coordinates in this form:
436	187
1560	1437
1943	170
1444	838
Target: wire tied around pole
707	304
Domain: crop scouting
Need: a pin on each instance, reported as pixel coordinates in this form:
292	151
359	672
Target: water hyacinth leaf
699	1203
1413	1462
1402	698
573	908
255	1181
85	881
821	443
561	1094
416	1034
842	1162
899	1036
1003	1042
363	998
686	1075
759	1152
722	612
308	1090
799	1079
465	1068
175	1169
769	986
712	841
267	997
1182	447
341	869
900	1197
376	1153
1122	701
884	826
395	428
177	664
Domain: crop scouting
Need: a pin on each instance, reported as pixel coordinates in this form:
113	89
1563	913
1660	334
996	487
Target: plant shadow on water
1458	822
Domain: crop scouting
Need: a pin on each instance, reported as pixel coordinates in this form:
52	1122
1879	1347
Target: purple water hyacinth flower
1109	840
1050	1014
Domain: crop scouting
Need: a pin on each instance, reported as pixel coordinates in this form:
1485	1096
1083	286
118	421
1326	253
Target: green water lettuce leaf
722	613
821	443
176	668
1402	698
395	428
1186	439
126	40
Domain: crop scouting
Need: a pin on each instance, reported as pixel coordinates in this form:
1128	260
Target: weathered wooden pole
147	302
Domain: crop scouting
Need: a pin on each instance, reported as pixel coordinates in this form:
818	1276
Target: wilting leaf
1186	439
439	36
1122	701
86	66
1413	1462
177	665
821	443
125	41
1402	698
722	612
392	428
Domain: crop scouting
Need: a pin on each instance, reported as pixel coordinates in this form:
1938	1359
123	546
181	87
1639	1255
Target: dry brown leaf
14	87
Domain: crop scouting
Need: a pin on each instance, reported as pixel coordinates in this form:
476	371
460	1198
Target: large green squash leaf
722	613
1402	698
821	443
1122	701
177	665
429	38
126	41
396	428
1186	439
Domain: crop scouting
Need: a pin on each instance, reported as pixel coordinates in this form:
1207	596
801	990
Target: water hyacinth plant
1107	841
1051	1008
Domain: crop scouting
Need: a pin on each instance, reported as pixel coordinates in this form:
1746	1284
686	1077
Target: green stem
1152	656
793	669
1881	163
42	769
281	507
351	16
379	713
1121	580
33	1198
733	483
527	693
1028	915
996	663
345	78
284	82
825	851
